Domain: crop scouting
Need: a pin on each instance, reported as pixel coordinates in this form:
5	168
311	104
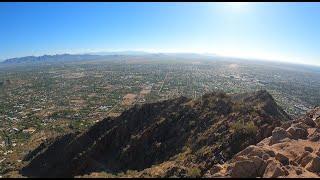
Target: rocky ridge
293	150
175	138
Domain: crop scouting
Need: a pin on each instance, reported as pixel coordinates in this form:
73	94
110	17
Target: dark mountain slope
52	58
198	133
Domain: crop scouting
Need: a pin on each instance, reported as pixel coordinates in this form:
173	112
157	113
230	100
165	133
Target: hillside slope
293	151
179	137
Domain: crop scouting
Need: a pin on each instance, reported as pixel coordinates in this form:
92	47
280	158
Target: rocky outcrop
273	170
314	165
279	135
293	150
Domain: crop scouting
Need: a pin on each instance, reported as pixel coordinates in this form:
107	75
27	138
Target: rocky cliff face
293	150
174	138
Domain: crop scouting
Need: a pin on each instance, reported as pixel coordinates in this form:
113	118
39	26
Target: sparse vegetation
194	172
240	127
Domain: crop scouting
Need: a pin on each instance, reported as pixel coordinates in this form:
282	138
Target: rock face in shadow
178	134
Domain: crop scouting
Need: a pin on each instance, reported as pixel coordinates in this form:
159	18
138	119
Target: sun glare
237	6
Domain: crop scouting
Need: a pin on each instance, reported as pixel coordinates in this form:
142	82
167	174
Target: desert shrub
250	128
244	134
237	126
194	172
247	128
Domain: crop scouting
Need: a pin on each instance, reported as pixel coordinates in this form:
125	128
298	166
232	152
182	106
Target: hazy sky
281	31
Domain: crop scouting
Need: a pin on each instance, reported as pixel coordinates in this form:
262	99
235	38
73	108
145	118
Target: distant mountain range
142	56
52	58
98	56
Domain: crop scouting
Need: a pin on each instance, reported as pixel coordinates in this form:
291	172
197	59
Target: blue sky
277	31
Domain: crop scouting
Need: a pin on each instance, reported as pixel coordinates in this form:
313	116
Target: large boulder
298	133
273	170
286	125
314	137
278	134
306	159
271	152
301	125
244	169
308	121
302	156
260	165
314	165
253	167
268	131
250	151
282	159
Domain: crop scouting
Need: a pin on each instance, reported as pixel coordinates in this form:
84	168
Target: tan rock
251	151
243	169
265	141
239	158
278	134
298	133
273	170
260	165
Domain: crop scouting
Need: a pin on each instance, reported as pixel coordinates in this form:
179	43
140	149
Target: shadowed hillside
187	134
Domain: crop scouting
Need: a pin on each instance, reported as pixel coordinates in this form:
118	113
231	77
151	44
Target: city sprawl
37	101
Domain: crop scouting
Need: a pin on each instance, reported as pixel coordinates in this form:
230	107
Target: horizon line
170	52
